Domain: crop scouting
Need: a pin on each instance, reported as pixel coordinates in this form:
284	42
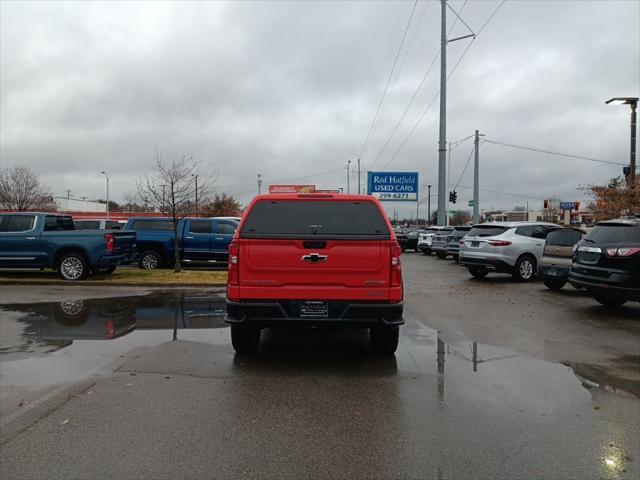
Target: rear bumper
614	286
438	247
114	260
287	312
554	272
492	264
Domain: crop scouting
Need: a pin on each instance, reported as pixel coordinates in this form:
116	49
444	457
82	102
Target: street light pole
259	183
633	103
107	176
348	166
359	177
195	175
429	205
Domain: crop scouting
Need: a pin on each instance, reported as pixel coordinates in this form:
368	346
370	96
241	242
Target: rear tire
478	272
525	269
610	301
441	255
554	284
384	340
245	340
149	260
73	266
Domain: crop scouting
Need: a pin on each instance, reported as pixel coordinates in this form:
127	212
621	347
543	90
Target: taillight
461	242
108	242
110	330
622	252
233	267
396	266
499	243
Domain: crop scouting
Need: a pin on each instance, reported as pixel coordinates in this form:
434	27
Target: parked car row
605	262
75	249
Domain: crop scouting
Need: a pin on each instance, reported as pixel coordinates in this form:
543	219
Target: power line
550	152
504	193
386	87
424	113
408	49
415	94
466	165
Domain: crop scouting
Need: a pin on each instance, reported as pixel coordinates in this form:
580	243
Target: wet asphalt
491	380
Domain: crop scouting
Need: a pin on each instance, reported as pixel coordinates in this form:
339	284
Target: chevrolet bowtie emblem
314	258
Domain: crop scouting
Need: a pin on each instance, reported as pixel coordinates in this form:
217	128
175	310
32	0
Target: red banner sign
292	188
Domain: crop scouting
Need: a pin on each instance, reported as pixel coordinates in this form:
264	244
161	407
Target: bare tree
551	213
20	189
170	189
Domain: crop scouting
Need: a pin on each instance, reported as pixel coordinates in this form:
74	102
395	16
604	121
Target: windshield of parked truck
314	218
160	225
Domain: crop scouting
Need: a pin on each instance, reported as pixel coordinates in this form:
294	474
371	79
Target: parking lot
492	379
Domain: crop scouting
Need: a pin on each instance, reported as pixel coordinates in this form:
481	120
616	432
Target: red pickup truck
314	259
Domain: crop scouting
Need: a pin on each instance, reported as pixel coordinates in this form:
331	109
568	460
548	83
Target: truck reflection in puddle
58	324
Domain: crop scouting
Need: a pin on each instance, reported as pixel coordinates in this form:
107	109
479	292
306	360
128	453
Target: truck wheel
478	272
384	340
525	269
441	255
245	340
610	301
554	284
149	260
73	266
71	312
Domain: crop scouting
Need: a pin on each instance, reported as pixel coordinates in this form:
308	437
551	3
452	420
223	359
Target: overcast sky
289	90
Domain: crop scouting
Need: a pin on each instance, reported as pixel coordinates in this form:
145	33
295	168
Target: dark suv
607	262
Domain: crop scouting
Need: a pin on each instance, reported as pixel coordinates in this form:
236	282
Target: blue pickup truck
46	240
200	240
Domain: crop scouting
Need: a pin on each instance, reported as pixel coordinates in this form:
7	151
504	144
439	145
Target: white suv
510	247
425	239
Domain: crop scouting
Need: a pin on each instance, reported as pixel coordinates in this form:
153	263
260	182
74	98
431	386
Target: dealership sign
393	186
292	188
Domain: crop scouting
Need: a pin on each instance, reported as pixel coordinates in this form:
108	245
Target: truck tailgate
340	269
124	242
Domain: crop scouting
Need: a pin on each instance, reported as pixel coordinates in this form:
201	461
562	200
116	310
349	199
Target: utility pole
195	175
429	205
107	176
359	177
259	183
442	141
634	123
348	166
476	178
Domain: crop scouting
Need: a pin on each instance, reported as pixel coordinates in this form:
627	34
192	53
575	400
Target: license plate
475	244
314	308
552	272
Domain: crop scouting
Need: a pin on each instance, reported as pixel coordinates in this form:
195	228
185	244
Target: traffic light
576	206
455	197
451	197
626	170
546	203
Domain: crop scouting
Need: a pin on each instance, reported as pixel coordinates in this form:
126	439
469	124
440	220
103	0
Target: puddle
54	343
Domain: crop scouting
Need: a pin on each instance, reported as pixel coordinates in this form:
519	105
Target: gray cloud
288	90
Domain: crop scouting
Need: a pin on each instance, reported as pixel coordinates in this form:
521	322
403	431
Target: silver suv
510	247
